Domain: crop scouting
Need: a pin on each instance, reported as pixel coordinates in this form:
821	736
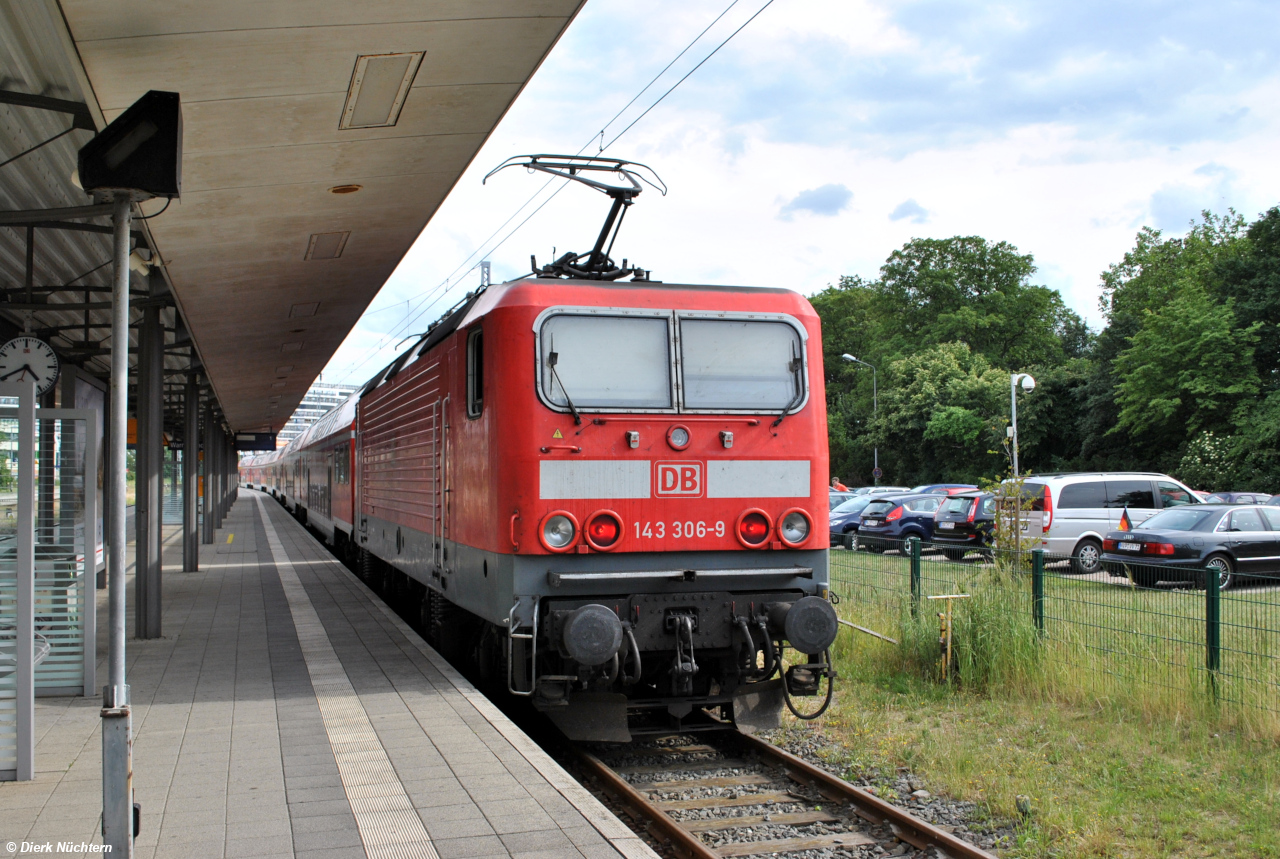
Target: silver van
1075	511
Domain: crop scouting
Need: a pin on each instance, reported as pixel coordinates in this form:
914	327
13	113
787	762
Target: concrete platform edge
604	821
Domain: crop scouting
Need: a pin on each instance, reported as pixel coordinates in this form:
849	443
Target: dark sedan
964	523
846	518
887	523
1181	544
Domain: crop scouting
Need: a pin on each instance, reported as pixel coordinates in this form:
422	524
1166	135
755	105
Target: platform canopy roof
319	139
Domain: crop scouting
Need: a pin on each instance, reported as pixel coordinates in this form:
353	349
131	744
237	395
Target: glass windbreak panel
607	362
735	364
62	587
1182	520
8	588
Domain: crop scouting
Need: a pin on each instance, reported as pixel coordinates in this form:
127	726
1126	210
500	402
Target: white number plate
871	523
947	526
1131	547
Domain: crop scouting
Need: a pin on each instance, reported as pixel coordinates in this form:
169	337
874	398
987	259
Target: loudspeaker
141	151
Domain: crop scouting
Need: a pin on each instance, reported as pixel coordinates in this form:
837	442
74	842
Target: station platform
288	712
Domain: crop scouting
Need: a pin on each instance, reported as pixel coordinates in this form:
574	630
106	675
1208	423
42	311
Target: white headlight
558	532
795	527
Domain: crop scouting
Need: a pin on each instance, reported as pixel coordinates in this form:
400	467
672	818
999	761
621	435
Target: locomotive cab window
606	362
741	364
475	373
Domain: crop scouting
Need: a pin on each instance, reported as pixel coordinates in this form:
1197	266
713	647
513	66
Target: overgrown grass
1107	723
1141	648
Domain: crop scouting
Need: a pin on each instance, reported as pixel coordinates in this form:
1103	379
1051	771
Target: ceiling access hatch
326	245
379	85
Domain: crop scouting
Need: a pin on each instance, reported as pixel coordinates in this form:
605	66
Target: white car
1074	512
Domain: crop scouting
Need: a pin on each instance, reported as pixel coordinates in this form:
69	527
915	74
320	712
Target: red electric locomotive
609	496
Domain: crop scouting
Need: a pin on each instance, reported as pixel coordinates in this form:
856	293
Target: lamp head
848	357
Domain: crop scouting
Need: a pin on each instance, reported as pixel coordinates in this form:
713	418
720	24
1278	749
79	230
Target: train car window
739	364
606	362
341	465
475	373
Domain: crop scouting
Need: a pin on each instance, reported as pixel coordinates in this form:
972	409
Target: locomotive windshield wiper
553	358
795	366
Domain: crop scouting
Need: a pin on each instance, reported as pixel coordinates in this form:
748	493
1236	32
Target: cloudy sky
829	132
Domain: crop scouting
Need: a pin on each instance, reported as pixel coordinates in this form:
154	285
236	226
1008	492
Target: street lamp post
875	411
1028	385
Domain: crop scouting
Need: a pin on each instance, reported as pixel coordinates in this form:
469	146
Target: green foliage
1187	368
931	414
1190	351
935	296
1209	462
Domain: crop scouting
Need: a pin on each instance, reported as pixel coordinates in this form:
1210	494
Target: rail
790	795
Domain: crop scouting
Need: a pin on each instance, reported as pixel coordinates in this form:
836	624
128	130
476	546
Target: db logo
680	478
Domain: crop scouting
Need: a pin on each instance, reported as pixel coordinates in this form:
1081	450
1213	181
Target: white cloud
1059	127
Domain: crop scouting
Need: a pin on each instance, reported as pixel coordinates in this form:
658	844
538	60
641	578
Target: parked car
879	490
964	523
846	518
887	523
944	488
1074	512
1238	498
1182	544
838	498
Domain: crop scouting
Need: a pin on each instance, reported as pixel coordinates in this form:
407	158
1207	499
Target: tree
941	412
969	290
1187	369
1252	280
1150	276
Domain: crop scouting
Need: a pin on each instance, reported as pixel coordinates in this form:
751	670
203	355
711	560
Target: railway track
730	794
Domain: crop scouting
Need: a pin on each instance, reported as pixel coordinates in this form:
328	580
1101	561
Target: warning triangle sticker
556	434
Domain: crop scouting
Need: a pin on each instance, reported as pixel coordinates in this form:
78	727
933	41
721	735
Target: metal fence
1130	627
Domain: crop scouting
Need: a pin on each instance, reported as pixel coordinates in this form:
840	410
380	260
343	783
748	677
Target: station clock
29	359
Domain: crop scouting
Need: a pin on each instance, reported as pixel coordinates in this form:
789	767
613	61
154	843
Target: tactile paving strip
389	826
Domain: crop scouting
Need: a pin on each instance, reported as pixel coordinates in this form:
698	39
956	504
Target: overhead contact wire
443	288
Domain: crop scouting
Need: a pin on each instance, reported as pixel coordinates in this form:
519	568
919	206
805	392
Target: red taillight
894	515
753	528
1157	548
1048	509
973	509
603	530
1108	545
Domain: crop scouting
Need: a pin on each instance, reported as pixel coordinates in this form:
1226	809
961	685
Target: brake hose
749	656
771	660
633	650
786	693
